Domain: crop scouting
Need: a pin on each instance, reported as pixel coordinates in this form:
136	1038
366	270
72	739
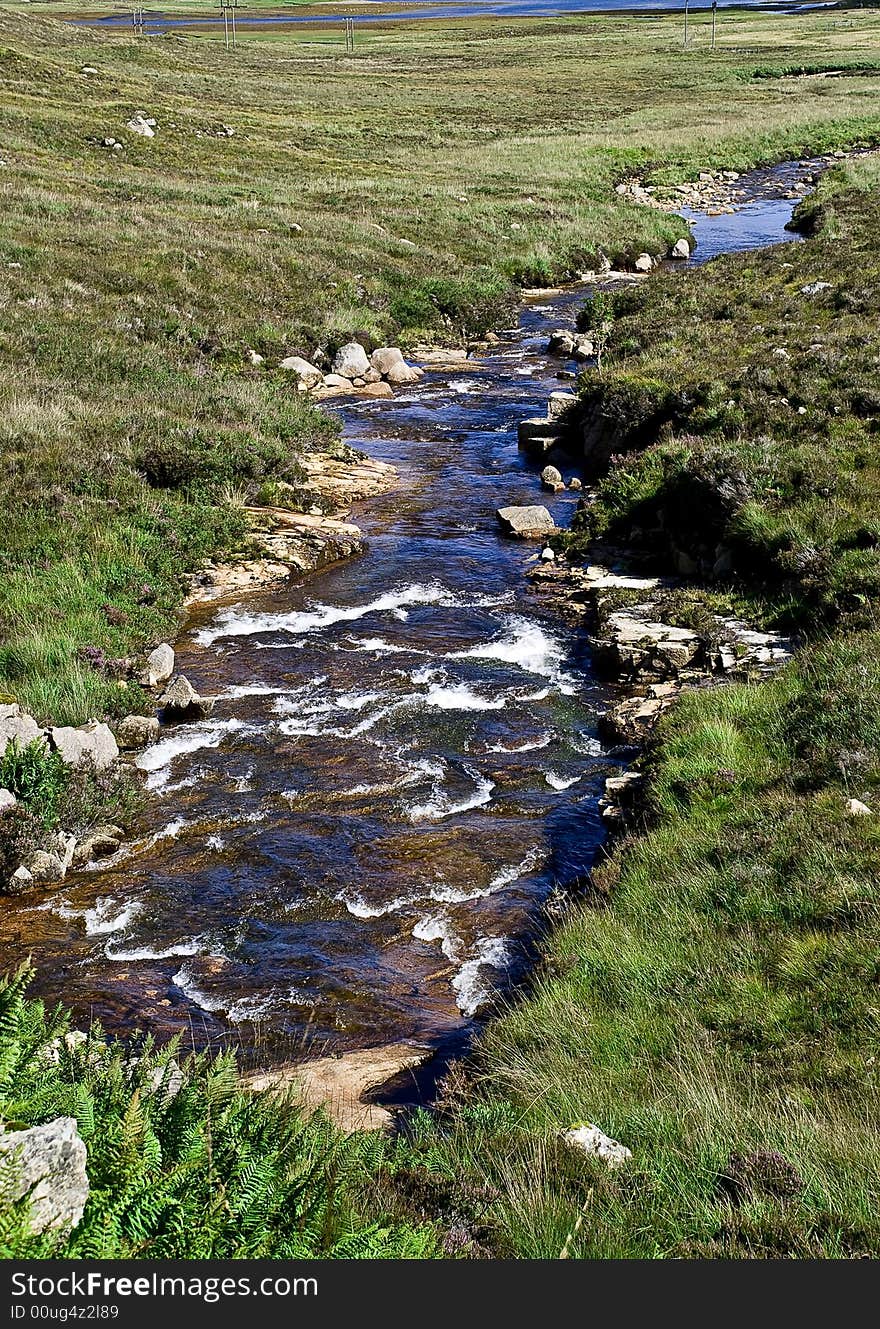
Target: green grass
712	1004
400	193
742	406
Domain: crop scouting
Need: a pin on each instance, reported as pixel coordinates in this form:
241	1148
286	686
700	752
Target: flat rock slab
46	1164
338	1084
527	523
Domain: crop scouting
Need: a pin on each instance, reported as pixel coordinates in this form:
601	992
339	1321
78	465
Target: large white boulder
92	744
351	361
307	375
16	726
526	523
46	1165
386	357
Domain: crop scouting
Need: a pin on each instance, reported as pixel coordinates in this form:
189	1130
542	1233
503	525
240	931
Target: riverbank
164	424
739	1147
709	1005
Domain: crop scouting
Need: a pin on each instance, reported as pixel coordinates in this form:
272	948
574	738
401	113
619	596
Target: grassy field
713	1005
718	1016
400	193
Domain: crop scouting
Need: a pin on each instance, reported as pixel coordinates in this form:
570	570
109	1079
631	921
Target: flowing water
401	765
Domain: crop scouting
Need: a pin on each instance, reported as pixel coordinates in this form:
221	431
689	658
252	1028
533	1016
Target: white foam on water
124	954
361	908
467	387
506	876
192	738
459	697
436	927
470	985
560	782
524	644
187	981
379	646
107	915
530	745
586	745
235	623
239	690
429	673
440	806
215	842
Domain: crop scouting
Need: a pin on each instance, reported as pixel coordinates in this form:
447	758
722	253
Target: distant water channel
401	766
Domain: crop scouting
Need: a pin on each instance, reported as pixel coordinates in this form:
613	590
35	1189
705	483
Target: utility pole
686	15
228	8
714	18
137	20
349	33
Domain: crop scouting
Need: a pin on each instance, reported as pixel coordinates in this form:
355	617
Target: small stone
596	1144
377	390
548	555
253	357
7	801
681	249
137	731
21	879
856	808
180	701
552	479
575	482
139	124
338	381
159	666
644	263
90	70
102	842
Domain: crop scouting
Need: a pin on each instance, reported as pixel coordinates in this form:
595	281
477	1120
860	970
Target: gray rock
351	360
561	342
403	373
253	357
44	868
644	263
377	390
372	376
526	523
180	701
64	846
139	124
552	479
575	482
137	731
560	404
386	357
21	879
47	1166
815	287
159	666
93	744
681	249
16	726
596	1144
307	375
98	843
856	808
548	555
339	382
8	801
584	349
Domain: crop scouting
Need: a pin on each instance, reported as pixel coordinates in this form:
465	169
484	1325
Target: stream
402	763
